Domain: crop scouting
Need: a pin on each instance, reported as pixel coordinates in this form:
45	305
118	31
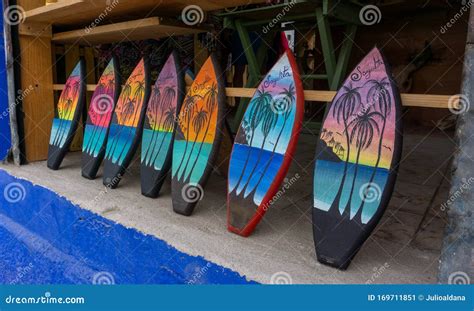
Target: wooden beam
35	30
36	74
408	100
141	29
74	12
54	11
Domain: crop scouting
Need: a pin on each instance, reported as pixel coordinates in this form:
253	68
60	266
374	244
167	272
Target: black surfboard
357	157
67	115
160	123
98	119
198	135
127	124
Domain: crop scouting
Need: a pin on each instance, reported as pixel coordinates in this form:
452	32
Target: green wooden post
254	66
248	50
326	44
335	67
343	58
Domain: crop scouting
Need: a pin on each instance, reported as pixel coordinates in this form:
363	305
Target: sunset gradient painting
264	145
99	117
127	116
160	123
66	108
198	135
67	115
356	160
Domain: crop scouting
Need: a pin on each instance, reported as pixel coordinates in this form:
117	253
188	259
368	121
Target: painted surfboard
198	135
67	116
356	161
162	112
98	119
127	124
264	145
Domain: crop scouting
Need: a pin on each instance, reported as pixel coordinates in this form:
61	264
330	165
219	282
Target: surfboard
98	119
162	112
264	145
67	115
198	135
356	161
127	124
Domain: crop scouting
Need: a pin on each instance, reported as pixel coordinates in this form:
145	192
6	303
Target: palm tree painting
66	107
353	181
159	128
127	124
264	145
198	134
99	117
67	116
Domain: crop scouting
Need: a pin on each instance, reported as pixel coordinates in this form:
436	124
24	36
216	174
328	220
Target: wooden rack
75	22
86	23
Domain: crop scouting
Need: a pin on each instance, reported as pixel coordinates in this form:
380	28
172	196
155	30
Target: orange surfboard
197	138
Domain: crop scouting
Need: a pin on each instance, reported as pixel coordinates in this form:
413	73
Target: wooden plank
408	100
35	29
141	29
36	73
54	11
71	12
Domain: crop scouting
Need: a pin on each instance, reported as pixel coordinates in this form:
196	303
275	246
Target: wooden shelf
142	29
408	100
75	12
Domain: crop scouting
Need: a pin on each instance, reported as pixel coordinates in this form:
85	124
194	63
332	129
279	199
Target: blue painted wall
46	239
5	138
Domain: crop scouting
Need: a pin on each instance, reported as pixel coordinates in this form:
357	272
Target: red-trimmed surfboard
67	116
198	135
127	124
160	123
356	162
264	145
98	119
